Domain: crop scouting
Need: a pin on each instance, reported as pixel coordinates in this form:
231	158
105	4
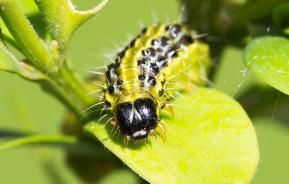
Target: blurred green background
24	106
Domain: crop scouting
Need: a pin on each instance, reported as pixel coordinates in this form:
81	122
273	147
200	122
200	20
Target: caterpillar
162	61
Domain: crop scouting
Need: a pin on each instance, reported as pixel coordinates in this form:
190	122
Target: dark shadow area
266	102
92	166
6	133
37	20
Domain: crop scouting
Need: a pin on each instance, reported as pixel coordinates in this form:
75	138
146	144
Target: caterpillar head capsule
137	119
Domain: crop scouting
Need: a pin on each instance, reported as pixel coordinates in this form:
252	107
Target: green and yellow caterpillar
161	61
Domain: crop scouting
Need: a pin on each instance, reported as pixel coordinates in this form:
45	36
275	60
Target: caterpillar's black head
137	119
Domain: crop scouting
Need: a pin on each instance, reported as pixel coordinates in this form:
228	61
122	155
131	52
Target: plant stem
71	90
23	32
58	139
61	82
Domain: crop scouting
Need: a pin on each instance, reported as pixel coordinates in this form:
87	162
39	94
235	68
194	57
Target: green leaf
63	19
268	58
9	63
209	140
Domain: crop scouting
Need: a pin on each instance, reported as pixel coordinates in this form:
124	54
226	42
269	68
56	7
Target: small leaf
268	58
9	63
209	140
63	19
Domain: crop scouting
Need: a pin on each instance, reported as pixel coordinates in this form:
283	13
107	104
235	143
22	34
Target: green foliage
268	58
210	139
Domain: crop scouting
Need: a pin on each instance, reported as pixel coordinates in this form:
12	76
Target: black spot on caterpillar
164	60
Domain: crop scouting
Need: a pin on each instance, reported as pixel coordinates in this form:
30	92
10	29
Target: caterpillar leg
169	109
126	140
113	123
161	130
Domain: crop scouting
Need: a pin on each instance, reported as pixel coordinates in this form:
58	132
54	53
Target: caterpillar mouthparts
159	63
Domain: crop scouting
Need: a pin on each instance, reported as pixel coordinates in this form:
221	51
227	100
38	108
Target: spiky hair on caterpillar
162	61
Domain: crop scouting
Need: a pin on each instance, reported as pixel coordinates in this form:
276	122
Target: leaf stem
37	139
71	89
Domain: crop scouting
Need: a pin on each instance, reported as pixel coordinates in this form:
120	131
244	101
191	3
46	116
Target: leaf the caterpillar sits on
161	62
